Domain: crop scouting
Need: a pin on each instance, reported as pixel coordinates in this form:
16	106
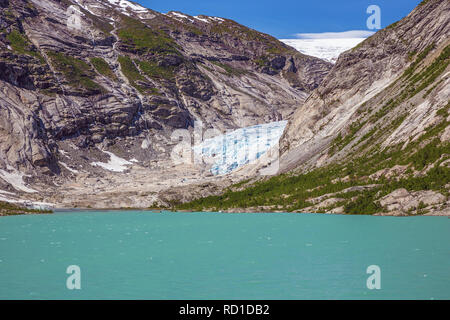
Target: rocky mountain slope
374	136
91	92
367	77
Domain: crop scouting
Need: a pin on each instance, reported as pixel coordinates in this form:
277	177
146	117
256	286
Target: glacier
326	49
232	150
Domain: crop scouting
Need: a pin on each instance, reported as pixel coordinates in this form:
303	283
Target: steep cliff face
371	87
374	137
80	78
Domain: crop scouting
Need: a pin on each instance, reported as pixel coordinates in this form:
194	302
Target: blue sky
285	18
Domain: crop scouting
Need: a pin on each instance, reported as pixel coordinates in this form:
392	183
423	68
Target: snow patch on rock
115	163
176	15
217	19
145	144
128	5
15	178
201	18
68	168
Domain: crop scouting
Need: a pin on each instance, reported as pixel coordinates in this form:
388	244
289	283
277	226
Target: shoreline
15	209
237	211
12	210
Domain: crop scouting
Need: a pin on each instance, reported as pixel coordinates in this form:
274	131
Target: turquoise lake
145	255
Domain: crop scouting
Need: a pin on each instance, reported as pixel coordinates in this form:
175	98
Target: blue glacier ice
234	149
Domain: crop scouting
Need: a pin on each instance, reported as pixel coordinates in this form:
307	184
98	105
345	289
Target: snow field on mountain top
326	49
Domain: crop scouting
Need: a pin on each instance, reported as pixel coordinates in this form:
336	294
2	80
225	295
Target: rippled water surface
144	255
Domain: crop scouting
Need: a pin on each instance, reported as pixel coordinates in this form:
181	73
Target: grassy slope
103	68
77	72
21	45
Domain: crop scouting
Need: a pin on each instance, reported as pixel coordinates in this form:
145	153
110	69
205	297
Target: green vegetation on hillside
417	80
426	77
153	70
408	72
76	71
289	192
339	143
152	43
21	45
134	76
145	40
178	26
423	2
262	61
103	68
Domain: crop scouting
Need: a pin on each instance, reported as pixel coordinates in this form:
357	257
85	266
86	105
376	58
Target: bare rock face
81	77
445	137
390	173
404	201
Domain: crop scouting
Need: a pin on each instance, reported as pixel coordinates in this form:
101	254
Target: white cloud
336	35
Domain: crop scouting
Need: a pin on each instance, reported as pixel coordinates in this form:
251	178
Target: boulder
403	200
